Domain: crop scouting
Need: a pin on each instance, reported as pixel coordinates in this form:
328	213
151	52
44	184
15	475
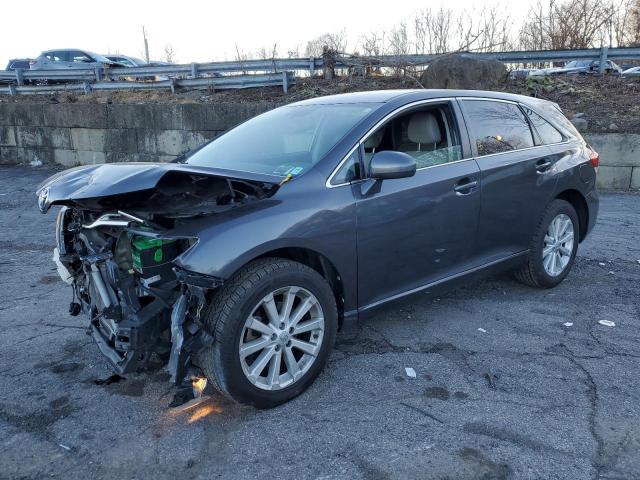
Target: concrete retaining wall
80	134
619	159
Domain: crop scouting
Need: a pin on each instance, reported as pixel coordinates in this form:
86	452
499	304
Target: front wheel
274	325
553	247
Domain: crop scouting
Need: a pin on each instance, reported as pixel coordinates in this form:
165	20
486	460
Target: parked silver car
71	58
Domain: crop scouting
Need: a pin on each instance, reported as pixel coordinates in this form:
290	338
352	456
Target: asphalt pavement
503	388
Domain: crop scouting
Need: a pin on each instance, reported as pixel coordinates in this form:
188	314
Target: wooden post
328	69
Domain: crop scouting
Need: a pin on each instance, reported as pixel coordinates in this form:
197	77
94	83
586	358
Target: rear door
52	60
417	230
518	178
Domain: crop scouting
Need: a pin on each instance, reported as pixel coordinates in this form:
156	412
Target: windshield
287	140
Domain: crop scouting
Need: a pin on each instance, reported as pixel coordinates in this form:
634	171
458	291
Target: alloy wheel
281	338
558	245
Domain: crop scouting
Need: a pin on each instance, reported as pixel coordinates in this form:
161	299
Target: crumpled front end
138	303
117	253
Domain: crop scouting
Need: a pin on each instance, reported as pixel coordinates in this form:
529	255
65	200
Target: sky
200	31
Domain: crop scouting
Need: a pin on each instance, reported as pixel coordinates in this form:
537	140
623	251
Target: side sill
451	278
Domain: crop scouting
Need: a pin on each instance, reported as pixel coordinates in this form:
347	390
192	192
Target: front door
417	230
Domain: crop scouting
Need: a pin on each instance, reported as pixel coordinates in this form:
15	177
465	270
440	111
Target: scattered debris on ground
411	373
607	323
115	378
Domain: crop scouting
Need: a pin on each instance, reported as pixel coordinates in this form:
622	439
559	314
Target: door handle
465	186
542	166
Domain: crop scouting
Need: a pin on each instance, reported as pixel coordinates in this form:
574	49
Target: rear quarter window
547	134
20	64
555	114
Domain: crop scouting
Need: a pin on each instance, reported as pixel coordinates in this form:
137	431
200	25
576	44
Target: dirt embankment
609	104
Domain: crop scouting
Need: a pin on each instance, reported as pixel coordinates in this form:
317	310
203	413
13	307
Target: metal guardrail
283	79
275	72
533	56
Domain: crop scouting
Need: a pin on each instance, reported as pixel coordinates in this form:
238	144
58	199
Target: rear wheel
274	326
553	247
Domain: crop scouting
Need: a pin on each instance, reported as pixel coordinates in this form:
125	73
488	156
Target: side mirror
390	164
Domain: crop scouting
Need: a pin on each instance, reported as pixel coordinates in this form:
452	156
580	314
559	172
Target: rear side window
547	134
558	117
497	126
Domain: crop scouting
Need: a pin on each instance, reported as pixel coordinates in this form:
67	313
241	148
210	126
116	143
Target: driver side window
427	134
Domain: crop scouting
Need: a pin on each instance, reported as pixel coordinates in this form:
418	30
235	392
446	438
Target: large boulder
464	71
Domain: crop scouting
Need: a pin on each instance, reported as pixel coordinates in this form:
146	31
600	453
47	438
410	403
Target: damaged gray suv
241	260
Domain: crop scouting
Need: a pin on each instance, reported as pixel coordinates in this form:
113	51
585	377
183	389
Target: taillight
594	158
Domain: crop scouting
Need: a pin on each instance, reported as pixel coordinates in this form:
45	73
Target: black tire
226	315
533	273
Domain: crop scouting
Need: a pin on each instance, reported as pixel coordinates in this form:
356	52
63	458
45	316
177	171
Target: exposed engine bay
116	251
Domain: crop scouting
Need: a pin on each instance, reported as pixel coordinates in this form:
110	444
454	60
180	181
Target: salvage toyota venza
240	260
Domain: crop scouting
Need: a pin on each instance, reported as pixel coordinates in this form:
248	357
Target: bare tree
432	30
372	44
570	24
294	52
485	30
441	31
624	25
634	24
399	40
169	54
268	54
241	57
336	42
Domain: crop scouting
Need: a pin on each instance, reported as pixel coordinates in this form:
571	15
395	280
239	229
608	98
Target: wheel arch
317	262
579	203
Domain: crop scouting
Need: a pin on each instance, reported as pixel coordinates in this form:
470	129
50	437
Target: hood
93	184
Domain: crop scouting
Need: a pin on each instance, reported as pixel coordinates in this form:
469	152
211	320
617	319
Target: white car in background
577	66
633	71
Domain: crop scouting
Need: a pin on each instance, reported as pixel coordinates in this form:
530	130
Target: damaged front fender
118	237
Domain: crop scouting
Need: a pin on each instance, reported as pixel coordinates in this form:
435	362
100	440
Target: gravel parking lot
503	388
